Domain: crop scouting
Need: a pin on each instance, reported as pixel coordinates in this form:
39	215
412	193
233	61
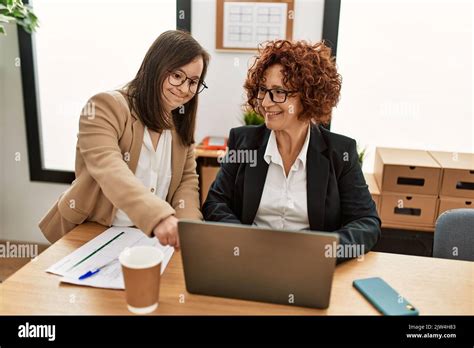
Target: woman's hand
167	232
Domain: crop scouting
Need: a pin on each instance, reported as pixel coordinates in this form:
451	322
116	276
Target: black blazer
337	195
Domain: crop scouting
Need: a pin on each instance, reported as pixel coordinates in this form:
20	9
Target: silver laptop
252	263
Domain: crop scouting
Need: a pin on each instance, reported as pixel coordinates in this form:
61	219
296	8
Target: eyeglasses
277	95
178	78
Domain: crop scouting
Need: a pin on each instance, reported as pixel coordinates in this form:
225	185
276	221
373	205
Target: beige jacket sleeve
186	197
98	144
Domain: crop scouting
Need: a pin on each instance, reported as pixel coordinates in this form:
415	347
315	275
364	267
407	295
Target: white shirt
283	202
153	170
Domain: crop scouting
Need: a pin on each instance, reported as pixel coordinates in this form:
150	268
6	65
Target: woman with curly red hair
305	177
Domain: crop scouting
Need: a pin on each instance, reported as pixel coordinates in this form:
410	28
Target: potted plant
16	10
362	154
252	118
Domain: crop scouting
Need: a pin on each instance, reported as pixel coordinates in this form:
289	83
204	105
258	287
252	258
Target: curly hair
307	68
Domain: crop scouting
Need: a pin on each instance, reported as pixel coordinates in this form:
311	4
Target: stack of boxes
409	182
417	186
457	184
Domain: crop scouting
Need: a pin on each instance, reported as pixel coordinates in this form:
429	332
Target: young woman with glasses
135	161
306	177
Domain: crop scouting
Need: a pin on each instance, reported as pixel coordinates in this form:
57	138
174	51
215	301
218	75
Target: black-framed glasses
178	78
277	95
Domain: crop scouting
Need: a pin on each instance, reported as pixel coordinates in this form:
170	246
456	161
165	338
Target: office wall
22	202
407	75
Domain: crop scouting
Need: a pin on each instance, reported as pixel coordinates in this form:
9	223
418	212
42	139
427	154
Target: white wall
22	202
407	75
220	105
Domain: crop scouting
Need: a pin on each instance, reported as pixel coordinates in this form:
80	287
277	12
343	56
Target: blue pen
95	270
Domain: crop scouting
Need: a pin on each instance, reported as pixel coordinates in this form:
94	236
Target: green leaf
17	13
9	4
33	20
15	10
253	118
2	30
32	16
6	19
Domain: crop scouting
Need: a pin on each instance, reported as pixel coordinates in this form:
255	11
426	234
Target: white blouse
153	170
283	204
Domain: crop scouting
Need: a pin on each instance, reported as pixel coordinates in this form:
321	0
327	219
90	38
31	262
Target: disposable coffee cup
141	269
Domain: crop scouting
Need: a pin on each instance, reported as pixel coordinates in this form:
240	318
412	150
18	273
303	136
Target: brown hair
171	50
307	68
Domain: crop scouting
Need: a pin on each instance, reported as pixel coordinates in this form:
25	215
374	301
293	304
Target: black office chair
454	235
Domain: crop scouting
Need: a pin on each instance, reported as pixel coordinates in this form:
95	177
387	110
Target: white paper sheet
109	277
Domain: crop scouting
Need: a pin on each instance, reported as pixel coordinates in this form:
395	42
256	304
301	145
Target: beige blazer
108	148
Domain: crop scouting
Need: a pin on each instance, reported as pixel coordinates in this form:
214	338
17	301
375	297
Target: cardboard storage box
448	203
408	209
373	189
457	173
407	171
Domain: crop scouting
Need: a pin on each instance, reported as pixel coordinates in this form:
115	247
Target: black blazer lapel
254	180
317	174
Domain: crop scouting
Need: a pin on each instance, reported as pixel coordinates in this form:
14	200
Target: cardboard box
457	173
448	203
406	171
373	189
208	175
408	209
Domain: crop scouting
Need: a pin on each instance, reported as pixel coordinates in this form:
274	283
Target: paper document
103	249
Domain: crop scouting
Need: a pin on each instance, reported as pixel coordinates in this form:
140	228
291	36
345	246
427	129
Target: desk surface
435	286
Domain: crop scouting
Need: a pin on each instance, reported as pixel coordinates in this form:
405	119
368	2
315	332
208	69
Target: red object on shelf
214	143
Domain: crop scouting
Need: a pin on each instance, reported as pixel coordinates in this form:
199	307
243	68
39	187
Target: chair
454	235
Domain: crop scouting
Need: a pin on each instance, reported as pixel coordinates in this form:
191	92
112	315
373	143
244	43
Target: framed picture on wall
242	25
